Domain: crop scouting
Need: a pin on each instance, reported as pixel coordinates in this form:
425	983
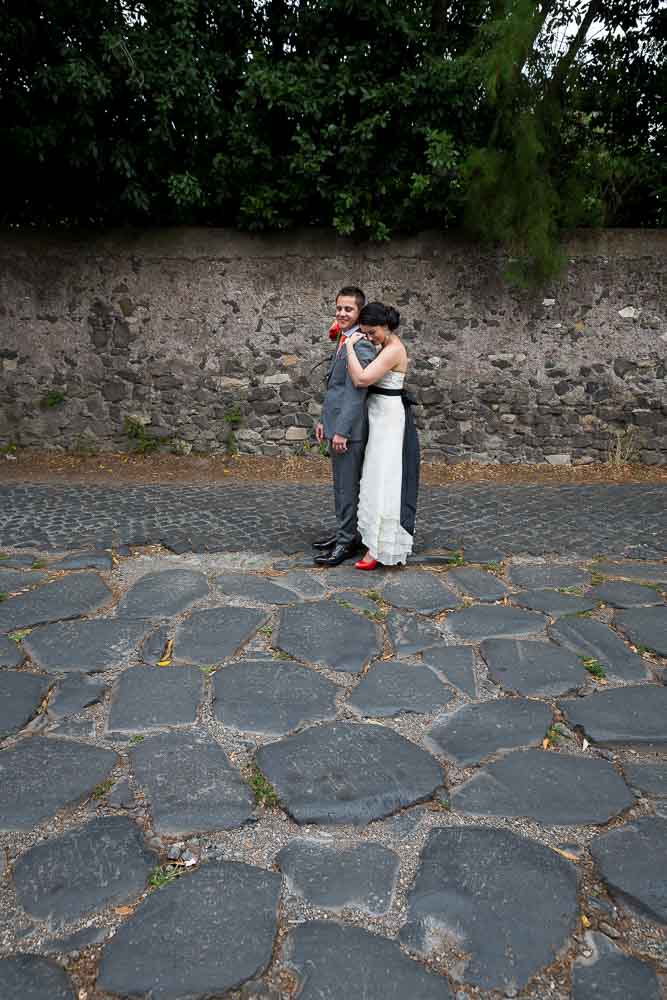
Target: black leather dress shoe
337	555
326	542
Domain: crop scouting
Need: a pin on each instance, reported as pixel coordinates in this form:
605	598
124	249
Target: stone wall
191	336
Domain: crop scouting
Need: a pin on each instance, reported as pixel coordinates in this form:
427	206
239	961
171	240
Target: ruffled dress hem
384	537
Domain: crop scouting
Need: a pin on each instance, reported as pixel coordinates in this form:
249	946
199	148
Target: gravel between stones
259	843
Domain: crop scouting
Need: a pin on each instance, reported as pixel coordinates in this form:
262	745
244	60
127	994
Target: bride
390	476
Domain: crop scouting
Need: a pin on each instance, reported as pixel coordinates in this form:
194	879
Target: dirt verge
119	469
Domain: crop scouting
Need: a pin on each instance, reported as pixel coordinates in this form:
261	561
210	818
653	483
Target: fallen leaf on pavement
165	661
570	857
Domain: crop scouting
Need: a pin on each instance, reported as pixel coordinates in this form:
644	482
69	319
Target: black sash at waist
408	398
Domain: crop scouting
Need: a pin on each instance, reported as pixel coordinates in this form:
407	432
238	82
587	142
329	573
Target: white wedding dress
379	514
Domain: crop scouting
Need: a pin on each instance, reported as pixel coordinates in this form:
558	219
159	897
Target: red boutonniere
334	330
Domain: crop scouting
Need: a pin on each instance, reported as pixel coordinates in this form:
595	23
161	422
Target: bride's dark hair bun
393	318
378	314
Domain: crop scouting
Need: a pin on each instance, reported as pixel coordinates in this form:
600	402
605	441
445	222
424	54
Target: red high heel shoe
366	564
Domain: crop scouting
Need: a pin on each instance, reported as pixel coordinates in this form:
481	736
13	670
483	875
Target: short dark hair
353	292
378	314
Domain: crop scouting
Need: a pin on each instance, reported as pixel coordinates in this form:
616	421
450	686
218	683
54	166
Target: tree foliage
377	117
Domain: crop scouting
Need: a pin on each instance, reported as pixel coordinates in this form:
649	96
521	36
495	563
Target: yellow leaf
165	661
585	922
123	911
570	857
546	743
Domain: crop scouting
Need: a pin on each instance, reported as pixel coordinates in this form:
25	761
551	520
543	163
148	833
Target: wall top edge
194	242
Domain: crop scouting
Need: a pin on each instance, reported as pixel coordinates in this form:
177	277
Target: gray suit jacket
344	407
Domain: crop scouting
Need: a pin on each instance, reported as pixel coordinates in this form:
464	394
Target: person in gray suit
344	425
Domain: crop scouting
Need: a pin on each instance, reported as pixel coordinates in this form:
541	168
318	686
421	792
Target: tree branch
564	64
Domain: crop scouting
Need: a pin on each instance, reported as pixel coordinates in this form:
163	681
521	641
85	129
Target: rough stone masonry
206	340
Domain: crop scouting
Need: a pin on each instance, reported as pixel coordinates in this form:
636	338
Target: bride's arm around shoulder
372	373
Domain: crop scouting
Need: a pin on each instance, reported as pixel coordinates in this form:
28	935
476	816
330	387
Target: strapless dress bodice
392	380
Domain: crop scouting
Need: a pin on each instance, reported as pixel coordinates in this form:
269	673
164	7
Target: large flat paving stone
410	634
346	773
68	597
272	696
649	572
475	731
255	588
356	600
202	935
40	776
391	687
190	784
11	654
419	590
619	594
163	594
362	877
508	904
346	576
648	778
533	668
210	636
633	863
555	788
610	974
18	562
454	663
20	697
30	977
478	583
73	694
12	580
477	623
481	553
538	575
103	863
645	627
552	602
625	717
85	560
88	646
334	962
324	632
302	583
154	697
593	639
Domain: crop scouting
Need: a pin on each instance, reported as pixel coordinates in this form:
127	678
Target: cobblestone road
235	775
591	520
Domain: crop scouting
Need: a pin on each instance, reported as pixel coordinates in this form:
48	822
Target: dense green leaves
377	117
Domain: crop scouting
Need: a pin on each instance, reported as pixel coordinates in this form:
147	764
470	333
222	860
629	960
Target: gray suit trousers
346	467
